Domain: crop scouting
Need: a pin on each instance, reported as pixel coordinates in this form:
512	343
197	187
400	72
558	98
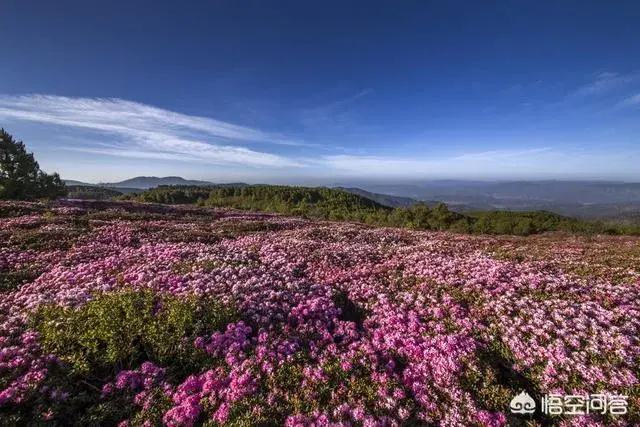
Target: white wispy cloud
604	83
481	163
349	99
510	164
630	101
501	154
144	131
334	114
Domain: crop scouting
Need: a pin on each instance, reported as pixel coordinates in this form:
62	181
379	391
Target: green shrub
120	330
13	279
355	386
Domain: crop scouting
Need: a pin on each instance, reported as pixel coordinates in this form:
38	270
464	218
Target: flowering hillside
134	314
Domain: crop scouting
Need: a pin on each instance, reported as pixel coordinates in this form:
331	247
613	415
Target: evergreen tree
20	174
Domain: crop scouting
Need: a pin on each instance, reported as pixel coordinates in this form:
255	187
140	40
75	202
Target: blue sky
327	91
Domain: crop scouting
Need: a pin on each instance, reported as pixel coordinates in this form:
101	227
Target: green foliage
50	186
423	217
317	202
20	174
339	205
17	209
13	279
120	330
526	223
92	193
493	381
311	202
87	409
109	333
487	385
355	386
39	240
519	223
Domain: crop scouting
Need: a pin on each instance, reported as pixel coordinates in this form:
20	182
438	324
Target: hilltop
464	213
383	199
337	204
591	200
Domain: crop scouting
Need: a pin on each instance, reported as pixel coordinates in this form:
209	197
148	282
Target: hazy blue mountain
383	199
587	199
74	182
145	182
125	190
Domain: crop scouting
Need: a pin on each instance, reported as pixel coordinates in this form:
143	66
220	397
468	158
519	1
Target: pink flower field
135	314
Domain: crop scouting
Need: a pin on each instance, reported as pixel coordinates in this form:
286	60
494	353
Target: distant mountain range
513	192
383	199
584	199
143	182
74	182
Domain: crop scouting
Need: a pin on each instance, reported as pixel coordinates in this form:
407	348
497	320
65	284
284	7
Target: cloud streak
475	164
631	101
334	114
349	99
501	154
145	131
604	83
138	131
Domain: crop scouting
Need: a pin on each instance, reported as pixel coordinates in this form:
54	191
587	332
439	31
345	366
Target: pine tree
20	174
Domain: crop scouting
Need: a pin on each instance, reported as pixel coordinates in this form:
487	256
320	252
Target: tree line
339	205
22	179
90	192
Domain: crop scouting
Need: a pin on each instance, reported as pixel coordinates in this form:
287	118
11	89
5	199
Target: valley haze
584	199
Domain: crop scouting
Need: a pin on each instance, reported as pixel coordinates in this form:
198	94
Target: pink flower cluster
383	326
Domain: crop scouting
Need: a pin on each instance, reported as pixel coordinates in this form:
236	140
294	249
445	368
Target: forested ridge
91	192
339	205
